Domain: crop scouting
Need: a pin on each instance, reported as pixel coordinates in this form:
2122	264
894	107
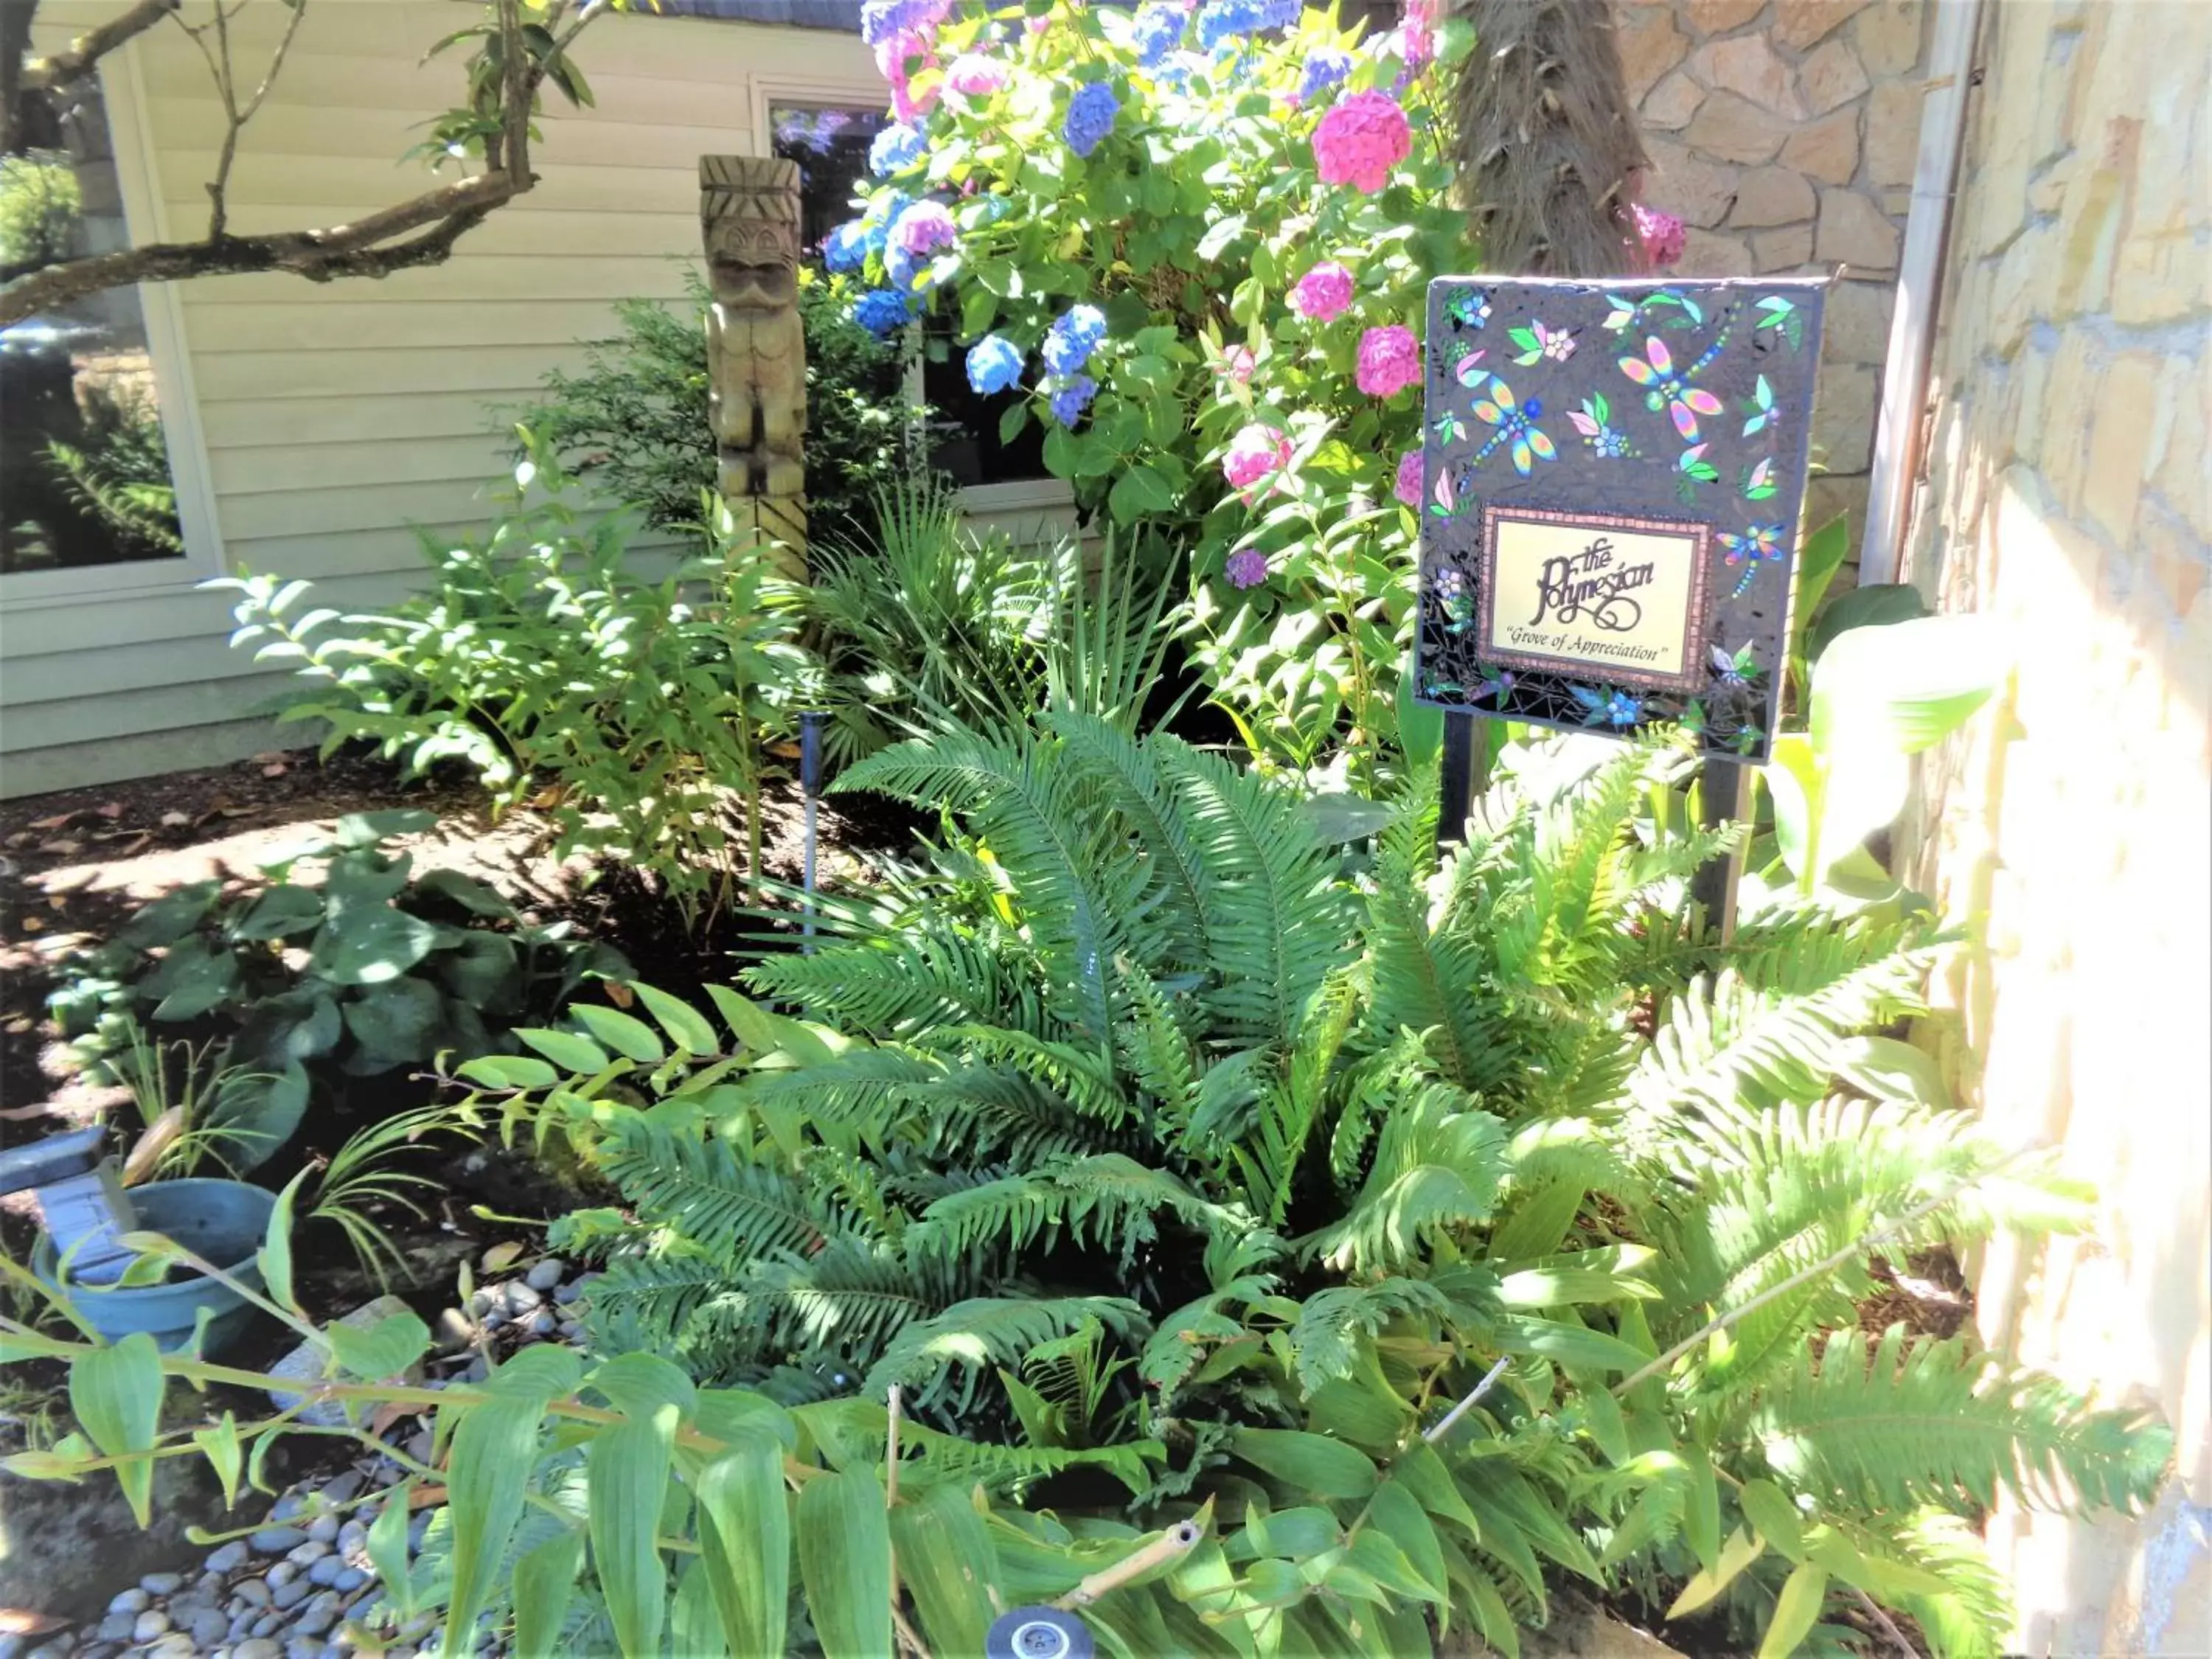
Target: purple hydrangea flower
1074	335
924	227
886	19
896	147
1090	115
880	311
1072	397
994	364
1247	568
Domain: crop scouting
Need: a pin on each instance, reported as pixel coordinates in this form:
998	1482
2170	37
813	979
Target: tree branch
45	74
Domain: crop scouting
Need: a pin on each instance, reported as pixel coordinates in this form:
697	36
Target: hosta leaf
115	1394
370	945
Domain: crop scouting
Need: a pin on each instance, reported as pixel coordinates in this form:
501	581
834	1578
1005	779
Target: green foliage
632	422
40	202
398	968
541	661
120	475
1187	227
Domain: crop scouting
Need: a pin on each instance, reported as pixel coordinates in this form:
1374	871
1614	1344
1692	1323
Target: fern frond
942	1359
1438	1166
1325	1343
1133	784
1274	918
929	1455
900	983
1974	1619
1900	1423
700	1189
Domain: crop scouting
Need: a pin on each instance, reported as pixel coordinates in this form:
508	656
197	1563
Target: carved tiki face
749	212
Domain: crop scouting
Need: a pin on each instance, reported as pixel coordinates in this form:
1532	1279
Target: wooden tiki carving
756	346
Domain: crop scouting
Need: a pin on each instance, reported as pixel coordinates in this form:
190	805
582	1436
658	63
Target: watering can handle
55	1158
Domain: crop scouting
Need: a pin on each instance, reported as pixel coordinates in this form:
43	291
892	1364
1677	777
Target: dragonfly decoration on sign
1761	411
1516	423
1669	388
1781	316
1626	310
1757	545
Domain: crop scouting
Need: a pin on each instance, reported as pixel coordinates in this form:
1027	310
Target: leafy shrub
1136	1145
119	475
1152	285
935	619
539	658
633	421
398	968
40	202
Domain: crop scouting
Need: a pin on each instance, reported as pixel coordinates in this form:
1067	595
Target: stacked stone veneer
2068	494
1784	133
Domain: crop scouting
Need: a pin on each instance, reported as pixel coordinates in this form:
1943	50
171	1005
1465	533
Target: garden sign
1613	476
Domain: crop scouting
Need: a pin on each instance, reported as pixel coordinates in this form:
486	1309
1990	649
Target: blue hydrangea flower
1074	335
882	212
994	364
1159	31
896	147
1223	19
846	247
1324	69
1071	396
880	311
910	273
1090	115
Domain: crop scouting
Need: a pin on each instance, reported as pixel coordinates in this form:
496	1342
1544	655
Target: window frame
145	215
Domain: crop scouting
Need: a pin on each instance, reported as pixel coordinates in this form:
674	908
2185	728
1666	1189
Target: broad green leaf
1769	1508
1905	687
845	1562
637	1384
1742	1548
1797	1612
169	917
357	829
1877	604
279	913
509	1072
255	1113
471	894
386	1349
1701	1508
542	1369
396	1021
1552	1288
1818	561
565	1049
745	1537
388	1548
370	945
483	969
275	1256
1888	1069
224	1454
687	1028
625	1034
115	1394
1308	1463
629	1466
1794	783
1420	727
1563	1343
946	1564
194	977
1601	1411
693	1628
545	1583
493	1451
1397	1514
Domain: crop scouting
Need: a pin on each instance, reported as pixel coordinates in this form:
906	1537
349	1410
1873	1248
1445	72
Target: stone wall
1784	133
2068	491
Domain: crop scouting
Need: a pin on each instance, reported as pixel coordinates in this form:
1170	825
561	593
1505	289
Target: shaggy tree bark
1548	145
504	80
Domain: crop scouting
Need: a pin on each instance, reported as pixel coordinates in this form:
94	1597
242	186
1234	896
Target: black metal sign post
1614	475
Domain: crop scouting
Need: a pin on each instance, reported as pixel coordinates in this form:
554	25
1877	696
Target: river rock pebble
324	1529
149	1624
161	1584
136	1599
256	1647
274	1541
518	1298
546	1274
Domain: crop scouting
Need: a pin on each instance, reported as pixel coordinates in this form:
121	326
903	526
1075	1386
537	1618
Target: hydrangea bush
1199	238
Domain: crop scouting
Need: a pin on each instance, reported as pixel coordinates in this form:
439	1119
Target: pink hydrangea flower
924	227
1255	453
1661	233
1360	140
972	75
1412	476
1247	568
1237	364
910	101
1322	293
1417	39
1389	361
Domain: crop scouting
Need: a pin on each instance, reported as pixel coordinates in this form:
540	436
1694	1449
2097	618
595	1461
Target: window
829	141
84	464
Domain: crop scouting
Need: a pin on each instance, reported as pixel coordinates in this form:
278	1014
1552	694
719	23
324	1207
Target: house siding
335	419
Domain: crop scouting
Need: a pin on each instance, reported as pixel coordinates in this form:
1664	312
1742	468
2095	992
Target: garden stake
810	784
1489	1380
1172	1545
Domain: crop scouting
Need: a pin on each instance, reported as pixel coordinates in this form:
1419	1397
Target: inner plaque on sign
1563	590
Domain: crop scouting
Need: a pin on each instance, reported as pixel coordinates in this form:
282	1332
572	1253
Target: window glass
831	142
84	468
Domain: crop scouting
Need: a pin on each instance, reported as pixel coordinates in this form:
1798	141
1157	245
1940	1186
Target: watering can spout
80	1200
